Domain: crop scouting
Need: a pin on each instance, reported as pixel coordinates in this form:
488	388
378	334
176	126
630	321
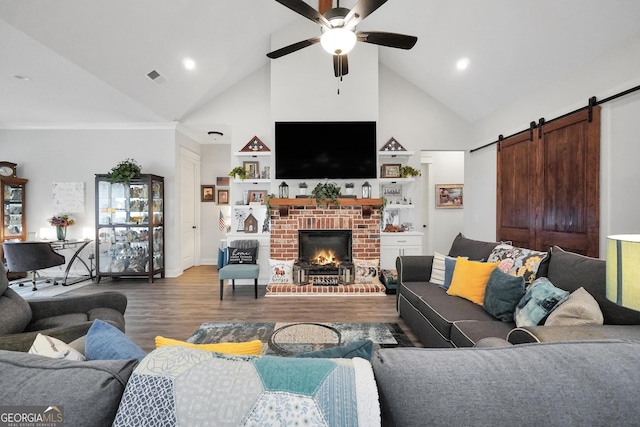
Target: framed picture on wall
207	193
449	196
390	171
223	197
222	181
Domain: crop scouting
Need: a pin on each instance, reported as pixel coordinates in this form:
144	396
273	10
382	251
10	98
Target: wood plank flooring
176	307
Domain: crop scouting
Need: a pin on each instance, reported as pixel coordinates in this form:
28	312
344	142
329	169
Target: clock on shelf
8	169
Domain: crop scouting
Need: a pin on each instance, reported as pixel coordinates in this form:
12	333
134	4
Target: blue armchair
240	271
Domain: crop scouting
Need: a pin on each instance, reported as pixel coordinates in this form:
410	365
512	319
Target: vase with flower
61	222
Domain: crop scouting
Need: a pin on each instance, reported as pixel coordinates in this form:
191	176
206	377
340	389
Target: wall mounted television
318	150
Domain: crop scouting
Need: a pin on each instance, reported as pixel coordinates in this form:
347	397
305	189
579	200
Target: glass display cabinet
130	227
13	218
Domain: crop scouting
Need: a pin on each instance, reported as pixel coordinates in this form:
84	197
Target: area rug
288	289
303	337
46	290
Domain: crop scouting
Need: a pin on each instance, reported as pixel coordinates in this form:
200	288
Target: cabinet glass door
13	214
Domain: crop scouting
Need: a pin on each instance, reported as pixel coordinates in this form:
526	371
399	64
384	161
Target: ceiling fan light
338	41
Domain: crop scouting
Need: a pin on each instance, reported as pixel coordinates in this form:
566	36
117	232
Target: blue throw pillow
502	294
539	300
106	342
363	349
449	266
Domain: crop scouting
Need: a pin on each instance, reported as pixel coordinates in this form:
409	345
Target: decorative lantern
346	273
366	190
284	190
300	274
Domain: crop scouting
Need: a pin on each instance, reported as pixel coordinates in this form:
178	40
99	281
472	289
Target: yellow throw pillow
470	279
250	348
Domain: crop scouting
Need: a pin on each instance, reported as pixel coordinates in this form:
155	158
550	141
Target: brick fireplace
363	222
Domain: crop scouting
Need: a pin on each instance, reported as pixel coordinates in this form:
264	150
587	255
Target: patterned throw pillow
55	349
518	261
367	270
540	299
280	271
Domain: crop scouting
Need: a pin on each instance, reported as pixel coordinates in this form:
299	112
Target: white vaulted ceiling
88	60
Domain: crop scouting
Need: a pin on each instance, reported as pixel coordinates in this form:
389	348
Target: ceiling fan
339	35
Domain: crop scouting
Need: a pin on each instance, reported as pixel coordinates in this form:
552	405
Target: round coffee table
304	329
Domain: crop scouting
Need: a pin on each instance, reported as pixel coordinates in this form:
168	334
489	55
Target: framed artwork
207	193
223	197
257	197
449	196
390	170
393	193
252	168
222	181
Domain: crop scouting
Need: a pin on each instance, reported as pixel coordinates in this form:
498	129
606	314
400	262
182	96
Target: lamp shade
338	41
623	270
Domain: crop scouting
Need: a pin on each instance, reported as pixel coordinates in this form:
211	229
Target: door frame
194	158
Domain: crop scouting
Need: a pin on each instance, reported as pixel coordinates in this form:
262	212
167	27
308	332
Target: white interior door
189	215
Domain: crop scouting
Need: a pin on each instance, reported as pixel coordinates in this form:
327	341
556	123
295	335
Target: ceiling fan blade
293	48
305	10
340	65
361	10
400	41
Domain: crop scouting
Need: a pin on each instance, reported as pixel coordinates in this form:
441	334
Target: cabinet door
388	255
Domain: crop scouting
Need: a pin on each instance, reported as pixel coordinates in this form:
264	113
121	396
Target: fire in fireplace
324	250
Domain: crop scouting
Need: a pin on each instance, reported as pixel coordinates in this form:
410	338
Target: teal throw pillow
106	342
539	300
502	294
362	349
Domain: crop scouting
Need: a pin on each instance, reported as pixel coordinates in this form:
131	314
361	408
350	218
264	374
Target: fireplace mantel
284	205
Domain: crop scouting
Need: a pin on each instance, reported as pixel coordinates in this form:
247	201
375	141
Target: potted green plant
408	171
302	186
327	191
239	172
125	171
349	187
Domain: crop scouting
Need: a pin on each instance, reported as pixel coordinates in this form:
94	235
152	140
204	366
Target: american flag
221	221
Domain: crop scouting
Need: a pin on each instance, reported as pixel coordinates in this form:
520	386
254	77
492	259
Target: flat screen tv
318	150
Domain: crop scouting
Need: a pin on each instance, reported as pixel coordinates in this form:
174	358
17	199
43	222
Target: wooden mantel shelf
284	205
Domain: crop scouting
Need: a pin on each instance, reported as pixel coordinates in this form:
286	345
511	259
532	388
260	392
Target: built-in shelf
283	205
399	206
395	153
251	181
252	153
395	180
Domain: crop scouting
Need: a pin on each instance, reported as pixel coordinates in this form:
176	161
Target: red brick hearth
365	228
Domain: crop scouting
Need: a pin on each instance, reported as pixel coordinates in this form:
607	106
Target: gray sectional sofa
442	320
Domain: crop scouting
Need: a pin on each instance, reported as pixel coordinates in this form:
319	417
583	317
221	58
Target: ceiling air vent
156	77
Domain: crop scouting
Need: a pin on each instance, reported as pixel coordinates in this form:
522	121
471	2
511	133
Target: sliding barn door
554	171
516	208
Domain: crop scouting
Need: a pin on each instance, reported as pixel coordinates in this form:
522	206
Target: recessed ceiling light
462	63
189	63
22	77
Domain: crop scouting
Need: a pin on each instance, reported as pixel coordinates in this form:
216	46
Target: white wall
45	156
606	75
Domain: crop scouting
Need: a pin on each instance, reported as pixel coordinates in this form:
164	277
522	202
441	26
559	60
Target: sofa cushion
505	386
245	348
570	271
16	312
466	333
579	309
59	321
475	250
441	310
470	279
89	392
539	300
502	294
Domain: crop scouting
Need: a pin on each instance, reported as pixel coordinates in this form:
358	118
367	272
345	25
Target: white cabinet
394	244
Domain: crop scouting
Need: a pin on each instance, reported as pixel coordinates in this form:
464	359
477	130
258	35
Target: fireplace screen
324	250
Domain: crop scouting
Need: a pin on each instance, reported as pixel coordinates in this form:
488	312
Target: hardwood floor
175	307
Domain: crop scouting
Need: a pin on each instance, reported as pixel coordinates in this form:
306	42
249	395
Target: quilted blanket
178	386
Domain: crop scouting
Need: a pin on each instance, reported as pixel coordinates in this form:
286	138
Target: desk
78	246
